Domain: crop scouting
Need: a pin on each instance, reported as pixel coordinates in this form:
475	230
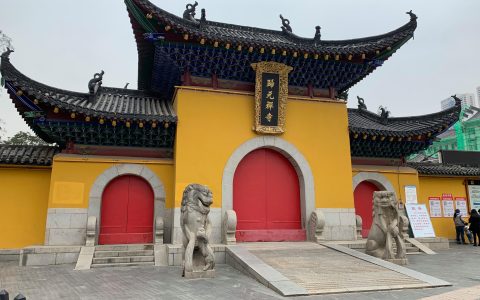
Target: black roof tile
108	102
439	169
362	121
231	33
27	155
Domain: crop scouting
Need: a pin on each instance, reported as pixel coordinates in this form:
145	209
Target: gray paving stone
459	265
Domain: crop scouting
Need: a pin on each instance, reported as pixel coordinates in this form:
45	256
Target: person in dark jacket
475	226
459	226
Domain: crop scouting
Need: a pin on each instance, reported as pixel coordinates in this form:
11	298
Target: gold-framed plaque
271	93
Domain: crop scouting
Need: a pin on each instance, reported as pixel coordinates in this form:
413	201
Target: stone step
129	247
119	260
122	253
123	264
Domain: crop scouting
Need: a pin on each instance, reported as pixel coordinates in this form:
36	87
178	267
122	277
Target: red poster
447	197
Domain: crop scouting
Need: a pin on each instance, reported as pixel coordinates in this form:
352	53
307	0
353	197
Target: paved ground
320	270
459	265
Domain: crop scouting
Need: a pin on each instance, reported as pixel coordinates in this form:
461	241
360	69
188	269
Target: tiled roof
108	102
27	155
362	121
230	33
444	170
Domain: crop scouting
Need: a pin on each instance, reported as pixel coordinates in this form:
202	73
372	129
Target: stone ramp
309	269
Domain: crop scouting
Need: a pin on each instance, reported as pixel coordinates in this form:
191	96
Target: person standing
459	226
475	226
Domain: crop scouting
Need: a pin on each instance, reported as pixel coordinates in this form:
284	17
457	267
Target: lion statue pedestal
198	256
387	227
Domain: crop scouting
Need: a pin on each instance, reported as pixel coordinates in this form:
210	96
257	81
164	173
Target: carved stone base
398	261
200	274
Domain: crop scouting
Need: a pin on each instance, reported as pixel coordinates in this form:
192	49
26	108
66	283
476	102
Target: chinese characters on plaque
271	92
269	101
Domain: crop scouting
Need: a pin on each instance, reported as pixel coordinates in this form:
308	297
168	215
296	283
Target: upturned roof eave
404	32
443	119
45	93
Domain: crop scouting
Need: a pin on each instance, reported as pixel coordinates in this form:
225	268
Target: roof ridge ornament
203	18
95	83
384	114
6	54
189	13
458	101
286	24
361	103
412	15
318	35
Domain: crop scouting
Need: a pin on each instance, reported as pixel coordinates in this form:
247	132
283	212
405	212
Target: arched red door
127	212
363	197
266	198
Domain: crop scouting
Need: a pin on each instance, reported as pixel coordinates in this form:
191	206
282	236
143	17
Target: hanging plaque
271	92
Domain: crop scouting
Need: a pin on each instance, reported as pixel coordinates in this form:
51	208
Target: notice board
420	220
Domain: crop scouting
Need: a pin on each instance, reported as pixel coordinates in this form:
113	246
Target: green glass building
464	135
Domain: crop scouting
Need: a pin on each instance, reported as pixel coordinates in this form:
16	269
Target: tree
24	138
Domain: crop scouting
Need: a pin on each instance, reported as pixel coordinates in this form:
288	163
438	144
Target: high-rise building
478	96
467	99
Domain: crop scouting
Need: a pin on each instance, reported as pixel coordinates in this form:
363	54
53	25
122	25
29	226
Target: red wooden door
363	197
127	212
266	198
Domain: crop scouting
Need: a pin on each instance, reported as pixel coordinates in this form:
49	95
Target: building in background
478	95
464	135
468	99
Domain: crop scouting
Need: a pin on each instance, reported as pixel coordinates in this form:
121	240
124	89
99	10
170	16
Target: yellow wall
23	205
213	124
431	186
427	186
74	175
399	177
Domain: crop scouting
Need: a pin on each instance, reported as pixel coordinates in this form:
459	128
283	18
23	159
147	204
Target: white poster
474	196
448	208
435	207
410	194
461	204
420	220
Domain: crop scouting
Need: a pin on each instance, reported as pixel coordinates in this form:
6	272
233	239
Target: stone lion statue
386	228
196	228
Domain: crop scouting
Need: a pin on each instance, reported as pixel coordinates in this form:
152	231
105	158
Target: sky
62	43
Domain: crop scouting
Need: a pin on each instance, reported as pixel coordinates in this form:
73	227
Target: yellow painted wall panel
23	206
213	124
85	170
70	193
431	186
